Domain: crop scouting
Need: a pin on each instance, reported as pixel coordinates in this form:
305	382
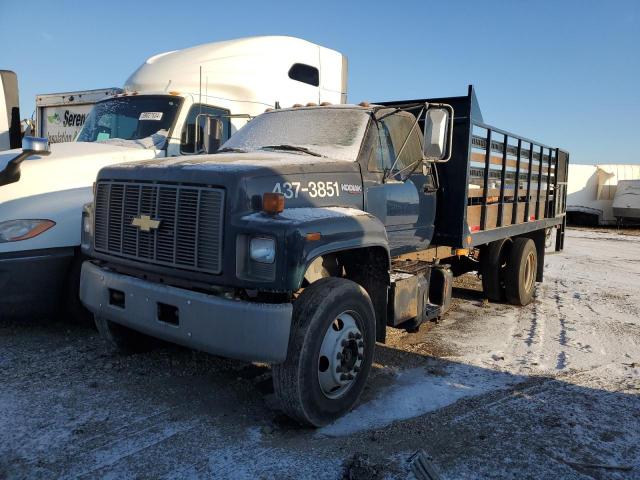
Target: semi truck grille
168	225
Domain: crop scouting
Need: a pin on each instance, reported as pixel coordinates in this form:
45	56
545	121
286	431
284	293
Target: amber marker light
272	203
314	237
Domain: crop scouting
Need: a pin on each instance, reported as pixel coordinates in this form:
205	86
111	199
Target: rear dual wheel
521	272
509	269
330	352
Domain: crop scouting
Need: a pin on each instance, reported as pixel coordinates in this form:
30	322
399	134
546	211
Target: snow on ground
417	391
492	391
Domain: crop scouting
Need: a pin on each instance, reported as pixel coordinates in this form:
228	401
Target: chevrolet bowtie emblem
145	223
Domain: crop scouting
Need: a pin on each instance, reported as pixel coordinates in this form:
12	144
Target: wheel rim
529	271
341	356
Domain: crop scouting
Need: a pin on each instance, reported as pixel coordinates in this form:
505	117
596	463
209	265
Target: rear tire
520	275
122	339
332	338
493	262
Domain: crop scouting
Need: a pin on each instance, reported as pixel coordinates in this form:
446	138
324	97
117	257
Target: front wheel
330	352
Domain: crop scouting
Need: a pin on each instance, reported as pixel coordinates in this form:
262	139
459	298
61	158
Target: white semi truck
182	102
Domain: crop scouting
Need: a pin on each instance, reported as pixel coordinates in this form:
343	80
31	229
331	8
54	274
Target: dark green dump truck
315	228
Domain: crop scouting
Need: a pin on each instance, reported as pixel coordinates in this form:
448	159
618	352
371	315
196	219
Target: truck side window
381	155
397	128
187	139
305	74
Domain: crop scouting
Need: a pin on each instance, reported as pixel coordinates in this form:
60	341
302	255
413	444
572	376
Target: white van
166	110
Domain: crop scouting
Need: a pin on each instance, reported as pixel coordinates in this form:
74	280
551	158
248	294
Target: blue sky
566	73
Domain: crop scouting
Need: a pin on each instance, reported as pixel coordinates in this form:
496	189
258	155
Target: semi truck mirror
35	146
30	146
438	133
212	135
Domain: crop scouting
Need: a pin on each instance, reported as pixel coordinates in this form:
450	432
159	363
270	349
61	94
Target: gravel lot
492	391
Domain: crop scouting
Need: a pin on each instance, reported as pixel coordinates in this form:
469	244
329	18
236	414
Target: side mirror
438	133
35	146
212	135
30	146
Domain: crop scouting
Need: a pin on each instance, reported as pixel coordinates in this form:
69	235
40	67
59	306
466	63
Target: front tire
330	352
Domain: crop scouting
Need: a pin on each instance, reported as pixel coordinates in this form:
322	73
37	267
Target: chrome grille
190	232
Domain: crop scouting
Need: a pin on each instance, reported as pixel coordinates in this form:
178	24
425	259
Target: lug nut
349	377
352	335
358	336
360	344
339	356
344	343
360	357
356	369
343	377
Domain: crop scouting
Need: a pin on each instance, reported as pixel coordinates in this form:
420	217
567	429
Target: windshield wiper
292	148
231	149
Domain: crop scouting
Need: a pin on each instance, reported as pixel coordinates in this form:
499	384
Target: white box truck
10	134
61	116
167	109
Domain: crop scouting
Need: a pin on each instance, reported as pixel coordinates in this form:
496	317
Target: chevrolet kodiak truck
313	230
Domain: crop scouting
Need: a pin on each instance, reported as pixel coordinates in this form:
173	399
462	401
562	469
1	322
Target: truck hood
69	165
302	178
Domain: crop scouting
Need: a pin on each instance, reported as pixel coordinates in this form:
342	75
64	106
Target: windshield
142	121
330	132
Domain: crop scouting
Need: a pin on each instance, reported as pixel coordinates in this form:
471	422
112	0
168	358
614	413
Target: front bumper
32	282
229	328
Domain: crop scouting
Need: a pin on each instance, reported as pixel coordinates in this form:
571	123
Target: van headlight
16	230
262	249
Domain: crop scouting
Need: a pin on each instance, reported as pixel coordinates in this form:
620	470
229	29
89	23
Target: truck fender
338	234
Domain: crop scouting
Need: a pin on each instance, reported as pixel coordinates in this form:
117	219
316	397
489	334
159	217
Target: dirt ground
491	391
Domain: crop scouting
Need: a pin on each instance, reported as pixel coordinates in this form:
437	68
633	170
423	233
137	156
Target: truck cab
308	233
178	103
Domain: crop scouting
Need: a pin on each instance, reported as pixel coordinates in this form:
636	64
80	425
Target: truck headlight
262	249
15	230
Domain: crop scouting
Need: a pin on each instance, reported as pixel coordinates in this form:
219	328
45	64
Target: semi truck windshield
143	120
328	132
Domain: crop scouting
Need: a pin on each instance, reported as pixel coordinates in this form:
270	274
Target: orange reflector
272	203
462	252
312	237
43	226
174	93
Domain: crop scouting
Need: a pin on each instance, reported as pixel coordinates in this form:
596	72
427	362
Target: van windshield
333	132
138	121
